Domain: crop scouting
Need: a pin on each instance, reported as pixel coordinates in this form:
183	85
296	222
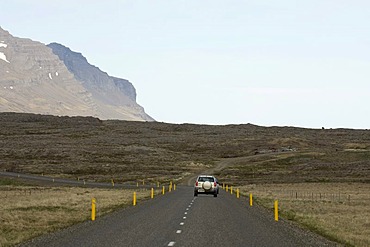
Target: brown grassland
338	211
293	165
29	211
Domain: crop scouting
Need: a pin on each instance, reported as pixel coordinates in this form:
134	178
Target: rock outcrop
35	78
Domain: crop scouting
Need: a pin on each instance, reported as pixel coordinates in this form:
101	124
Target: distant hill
100	150
36	78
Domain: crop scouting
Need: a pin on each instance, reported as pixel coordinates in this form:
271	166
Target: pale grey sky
267	62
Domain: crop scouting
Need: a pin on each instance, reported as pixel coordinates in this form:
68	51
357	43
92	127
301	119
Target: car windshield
204	179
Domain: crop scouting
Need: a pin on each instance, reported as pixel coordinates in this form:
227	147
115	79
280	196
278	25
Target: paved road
179	219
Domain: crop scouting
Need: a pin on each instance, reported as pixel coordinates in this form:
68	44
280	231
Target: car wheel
195	193
215	194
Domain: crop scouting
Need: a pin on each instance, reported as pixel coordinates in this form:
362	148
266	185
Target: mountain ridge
34	79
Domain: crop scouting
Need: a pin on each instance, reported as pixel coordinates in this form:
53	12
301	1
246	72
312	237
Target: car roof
206	176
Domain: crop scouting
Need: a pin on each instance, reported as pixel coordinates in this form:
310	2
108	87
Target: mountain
54	80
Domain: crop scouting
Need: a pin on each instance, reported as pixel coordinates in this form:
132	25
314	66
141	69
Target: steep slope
91	76
113	93
33	79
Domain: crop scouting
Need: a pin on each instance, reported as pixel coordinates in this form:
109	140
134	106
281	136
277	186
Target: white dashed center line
182	223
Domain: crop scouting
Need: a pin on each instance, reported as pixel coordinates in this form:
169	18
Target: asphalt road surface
180	219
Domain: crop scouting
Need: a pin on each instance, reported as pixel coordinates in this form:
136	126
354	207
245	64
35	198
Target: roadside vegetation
30	211
338	211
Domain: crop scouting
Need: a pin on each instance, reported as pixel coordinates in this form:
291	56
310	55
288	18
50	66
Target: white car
206	184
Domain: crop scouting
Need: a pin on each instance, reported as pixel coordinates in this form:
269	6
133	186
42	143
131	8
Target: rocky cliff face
54	80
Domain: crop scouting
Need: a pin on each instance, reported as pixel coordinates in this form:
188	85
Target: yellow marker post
276	210
237	193
231	189
227	188
162	190
174	186
53	180
112	182
134	199
170	188
137	184
93	209
158	184
84	182
152	193
223	186
143	182
250	199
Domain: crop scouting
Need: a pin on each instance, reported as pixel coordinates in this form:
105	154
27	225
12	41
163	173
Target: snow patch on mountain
3	57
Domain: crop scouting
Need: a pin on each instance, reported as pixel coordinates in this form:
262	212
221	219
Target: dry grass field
29	211
291	164
339	211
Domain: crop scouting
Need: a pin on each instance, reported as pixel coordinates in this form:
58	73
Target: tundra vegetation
321	176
